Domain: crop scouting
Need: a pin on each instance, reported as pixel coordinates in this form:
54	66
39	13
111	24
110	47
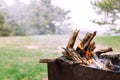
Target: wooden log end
46	60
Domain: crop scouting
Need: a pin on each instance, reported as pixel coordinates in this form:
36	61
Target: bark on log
72	39
98	53
86	46
109	56
86	38
71	42
80	47
75	57
82	59
91	47
89	41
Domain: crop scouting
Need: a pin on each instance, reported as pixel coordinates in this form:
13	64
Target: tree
4	30
38	17
16	18
42	17
110	9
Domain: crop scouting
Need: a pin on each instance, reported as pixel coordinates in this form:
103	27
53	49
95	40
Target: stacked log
84	53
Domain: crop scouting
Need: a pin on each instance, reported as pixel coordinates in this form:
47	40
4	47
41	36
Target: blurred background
34	29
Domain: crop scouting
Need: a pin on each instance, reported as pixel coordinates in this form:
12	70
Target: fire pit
83	63
65	71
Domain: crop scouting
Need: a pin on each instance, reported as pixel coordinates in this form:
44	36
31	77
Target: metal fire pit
65	71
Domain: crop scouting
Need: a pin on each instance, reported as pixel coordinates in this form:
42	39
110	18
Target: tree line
36	18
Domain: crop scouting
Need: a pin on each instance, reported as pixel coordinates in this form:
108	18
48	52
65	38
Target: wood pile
85	55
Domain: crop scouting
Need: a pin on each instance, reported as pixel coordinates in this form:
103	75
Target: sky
81	13
10	2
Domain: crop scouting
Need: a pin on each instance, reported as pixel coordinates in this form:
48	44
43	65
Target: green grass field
111	41
20	64
19	56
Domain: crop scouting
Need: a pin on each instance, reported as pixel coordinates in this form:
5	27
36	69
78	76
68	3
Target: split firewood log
85	43
89	41
89	53
80	47
74	56
92	46
98	53
86	48
71	41
86	38
81	58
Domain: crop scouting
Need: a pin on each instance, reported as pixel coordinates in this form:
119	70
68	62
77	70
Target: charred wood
113	67
114	58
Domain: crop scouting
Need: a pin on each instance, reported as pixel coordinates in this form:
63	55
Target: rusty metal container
65	71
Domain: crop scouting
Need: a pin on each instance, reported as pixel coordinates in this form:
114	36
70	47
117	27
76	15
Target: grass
19	57
112	41
20	64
